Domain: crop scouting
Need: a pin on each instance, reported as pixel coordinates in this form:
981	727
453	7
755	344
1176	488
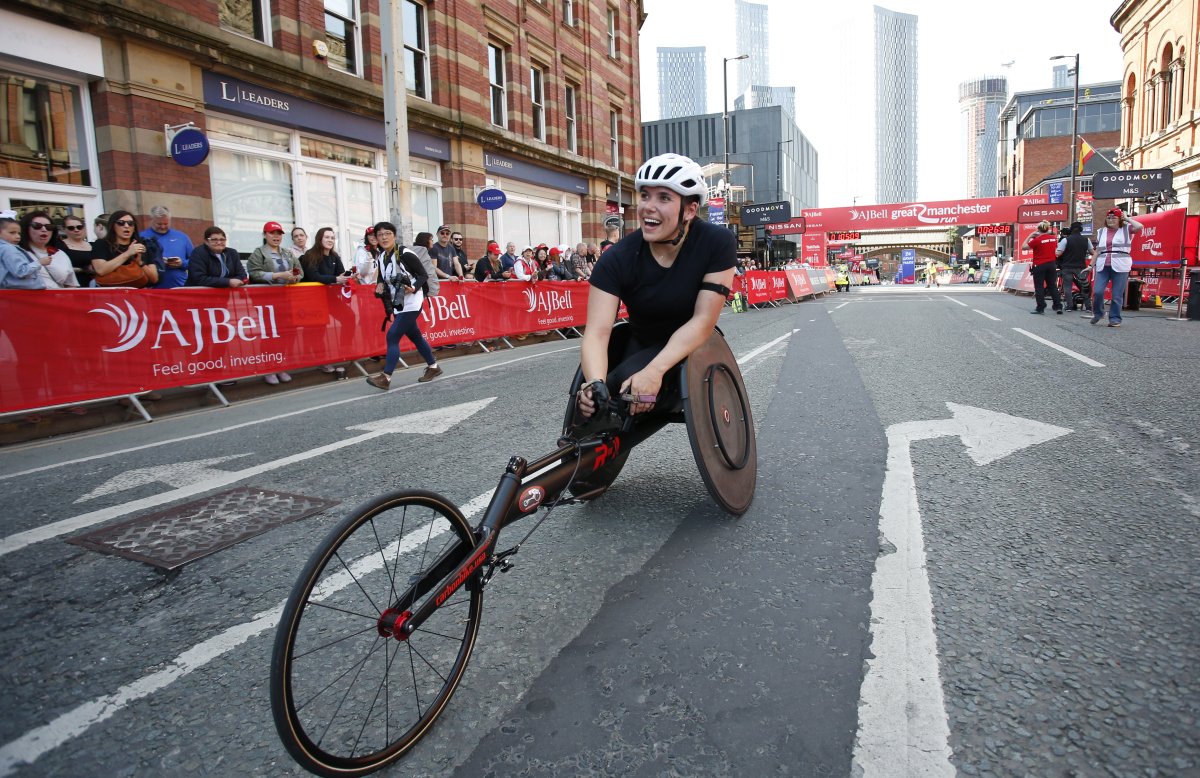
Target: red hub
391	624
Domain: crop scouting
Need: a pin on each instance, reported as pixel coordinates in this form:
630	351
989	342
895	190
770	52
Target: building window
537	96
43	131
612	32
246	17
341	34
497	82
416	49
614	128
569	12
569	110
247	190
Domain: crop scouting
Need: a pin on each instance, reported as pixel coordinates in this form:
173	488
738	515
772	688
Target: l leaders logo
189	147
491	199
131	325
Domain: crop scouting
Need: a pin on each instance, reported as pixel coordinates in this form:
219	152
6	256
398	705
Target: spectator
215	264
525	269
445	255
507	260
78	249
122	248
366	259
1112	259
404	277
604	244
468	267
299	242
1043	243
541	258
322	265
557	269
579	263
487	267
100	226
18	268
38	237
272	264
175	248
1072	254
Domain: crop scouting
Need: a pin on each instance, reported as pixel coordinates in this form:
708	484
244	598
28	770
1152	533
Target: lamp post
779	170
725	116
1074	134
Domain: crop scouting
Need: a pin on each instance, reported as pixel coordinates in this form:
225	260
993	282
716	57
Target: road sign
1051	212
766	213
1056	192
1130	183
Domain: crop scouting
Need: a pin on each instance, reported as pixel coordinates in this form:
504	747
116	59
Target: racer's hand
584	402
645	383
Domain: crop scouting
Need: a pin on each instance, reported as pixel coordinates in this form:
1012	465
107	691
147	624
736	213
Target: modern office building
895	106
539	99
753	38
682	82
759	96
1062	77
980	102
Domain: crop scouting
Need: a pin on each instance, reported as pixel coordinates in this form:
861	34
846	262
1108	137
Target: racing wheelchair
378	630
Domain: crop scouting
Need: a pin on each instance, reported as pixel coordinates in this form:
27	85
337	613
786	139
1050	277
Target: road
908	593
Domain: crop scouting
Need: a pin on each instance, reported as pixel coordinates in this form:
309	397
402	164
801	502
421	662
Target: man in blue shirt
176	248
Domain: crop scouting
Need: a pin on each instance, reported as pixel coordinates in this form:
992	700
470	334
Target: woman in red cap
487	267
1112	259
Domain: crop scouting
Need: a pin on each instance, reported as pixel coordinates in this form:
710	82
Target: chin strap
680	233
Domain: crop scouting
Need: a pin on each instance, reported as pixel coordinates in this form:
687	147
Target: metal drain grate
172	538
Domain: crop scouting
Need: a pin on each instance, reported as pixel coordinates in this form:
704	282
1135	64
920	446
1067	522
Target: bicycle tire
333	615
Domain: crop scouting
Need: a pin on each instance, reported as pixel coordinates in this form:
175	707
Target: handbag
128	274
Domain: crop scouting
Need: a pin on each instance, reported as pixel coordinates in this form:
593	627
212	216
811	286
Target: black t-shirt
661	299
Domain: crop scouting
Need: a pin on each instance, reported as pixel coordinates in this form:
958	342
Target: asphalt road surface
973	549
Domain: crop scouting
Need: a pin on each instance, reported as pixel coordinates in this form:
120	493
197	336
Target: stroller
1079	293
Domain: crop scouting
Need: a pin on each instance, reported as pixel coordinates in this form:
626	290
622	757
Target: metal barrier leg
361	369
136	403
560	334
507	342
486	350
217	393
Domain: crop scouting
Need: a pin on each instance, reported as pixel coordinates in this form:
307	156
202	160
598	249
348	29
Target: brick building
536	97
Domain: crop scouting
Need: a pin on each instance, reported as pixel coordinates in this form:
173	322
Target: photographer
402	280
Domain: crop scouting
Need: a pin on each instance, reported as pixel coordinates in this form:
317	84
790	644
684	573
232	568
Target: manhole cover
172	538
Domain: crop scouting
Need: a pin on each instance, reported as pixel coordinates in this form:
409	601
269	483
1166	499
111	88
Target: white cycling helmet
674	171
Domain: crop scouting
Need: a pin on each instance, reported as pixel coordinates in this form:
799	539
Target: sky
825	50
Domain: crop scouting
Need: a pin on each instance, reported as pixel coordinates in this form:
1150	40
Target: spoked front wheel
348	696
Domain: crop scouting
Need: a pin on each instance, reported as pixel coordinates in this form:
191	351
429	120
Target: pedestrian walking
1112	259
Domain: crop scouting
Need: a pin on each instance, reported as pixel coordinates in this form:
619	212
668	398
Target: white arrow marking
903	729
178	474
429	423
37	742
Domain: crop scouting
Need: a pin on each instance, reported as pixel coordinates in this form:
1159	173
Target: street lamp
779	170
1074	134
725	115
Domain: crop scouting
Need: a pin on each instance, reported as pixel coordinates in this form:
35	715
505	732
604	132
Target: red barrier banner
1023	233
108	342
1160	243
800	286
812	249
986	210
763	286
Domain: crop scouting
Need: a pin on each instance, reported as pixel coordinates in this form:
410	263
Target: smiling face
658	211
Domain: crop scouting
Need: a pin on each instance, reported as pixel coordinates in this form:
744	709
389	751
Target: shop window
341	34
336	152
248	134
248	191
498	82
569	110
43	131
246	17
416	49
537	97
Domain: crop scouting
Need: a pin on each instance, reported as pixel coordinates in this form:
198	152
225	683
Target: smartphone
348	273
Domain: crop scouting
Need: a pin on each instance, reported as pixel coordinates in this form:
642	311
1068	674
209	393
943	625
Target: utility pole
395	120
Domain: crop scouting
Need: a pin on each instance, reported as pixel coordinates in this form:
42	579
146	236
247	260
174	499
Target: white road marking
37	742
985	315
956	302
843	305
902	724
364	398
763	348
1063	349
432	422
176	474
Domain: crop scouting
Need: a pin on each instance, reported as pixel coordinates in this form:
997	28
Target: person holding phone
322	265
176	248
271	263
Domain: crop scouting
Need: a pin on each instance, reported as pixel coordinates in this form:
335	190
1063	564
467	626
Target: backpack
432	282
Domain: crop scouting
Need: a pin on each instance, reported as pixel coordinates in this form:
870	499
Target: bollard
1193	303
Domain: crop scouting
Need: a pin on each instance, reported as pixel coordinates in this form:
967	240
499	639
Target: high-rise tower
895	106
981	102
682	82
752	39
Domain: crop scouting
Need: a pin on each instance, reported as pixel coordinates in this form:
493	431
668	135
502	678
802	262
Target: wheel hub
391	624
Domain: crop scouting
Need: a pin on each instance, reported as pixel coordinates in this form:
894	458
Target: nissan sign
1050	212
1118	184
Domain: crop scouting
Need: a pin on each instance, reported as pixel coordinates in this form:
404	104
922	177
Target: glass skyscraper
682	82
752	39
981	102
895	106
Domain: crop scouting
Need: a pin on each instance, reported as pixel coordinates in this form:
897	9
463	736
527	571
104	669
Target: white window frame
496	63
570	103
353	47
568	206
421	56
537	100
614	128
264	8
612	33
568	9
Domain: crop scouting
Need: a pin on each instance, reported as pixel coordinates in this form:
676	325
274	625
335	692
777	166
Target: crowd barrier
61	347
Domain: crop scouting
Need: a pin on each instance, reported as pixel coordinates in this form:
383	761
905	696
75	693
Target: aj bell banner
75	345
986	210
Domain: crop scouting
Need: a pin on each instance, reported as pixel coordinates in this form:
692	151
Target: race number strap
718	288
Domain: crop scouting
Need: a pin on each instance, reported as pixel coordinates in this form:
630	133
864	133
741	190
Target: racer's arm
602	314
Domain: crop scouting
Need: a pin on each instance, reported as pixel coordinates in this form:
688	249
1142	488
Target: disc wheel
348	696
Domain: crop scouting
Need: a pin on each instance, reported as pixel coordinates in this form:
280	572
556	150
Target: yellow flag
1086	152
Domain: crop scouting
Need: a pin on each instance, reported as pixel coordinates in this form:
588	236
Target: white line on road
956	302
1063	349
265	419
843	305
764	347
37	742
985	315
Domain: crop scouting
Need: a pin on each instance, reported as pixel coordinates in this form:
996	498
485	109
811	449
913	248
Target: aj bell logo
547	301
203	325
